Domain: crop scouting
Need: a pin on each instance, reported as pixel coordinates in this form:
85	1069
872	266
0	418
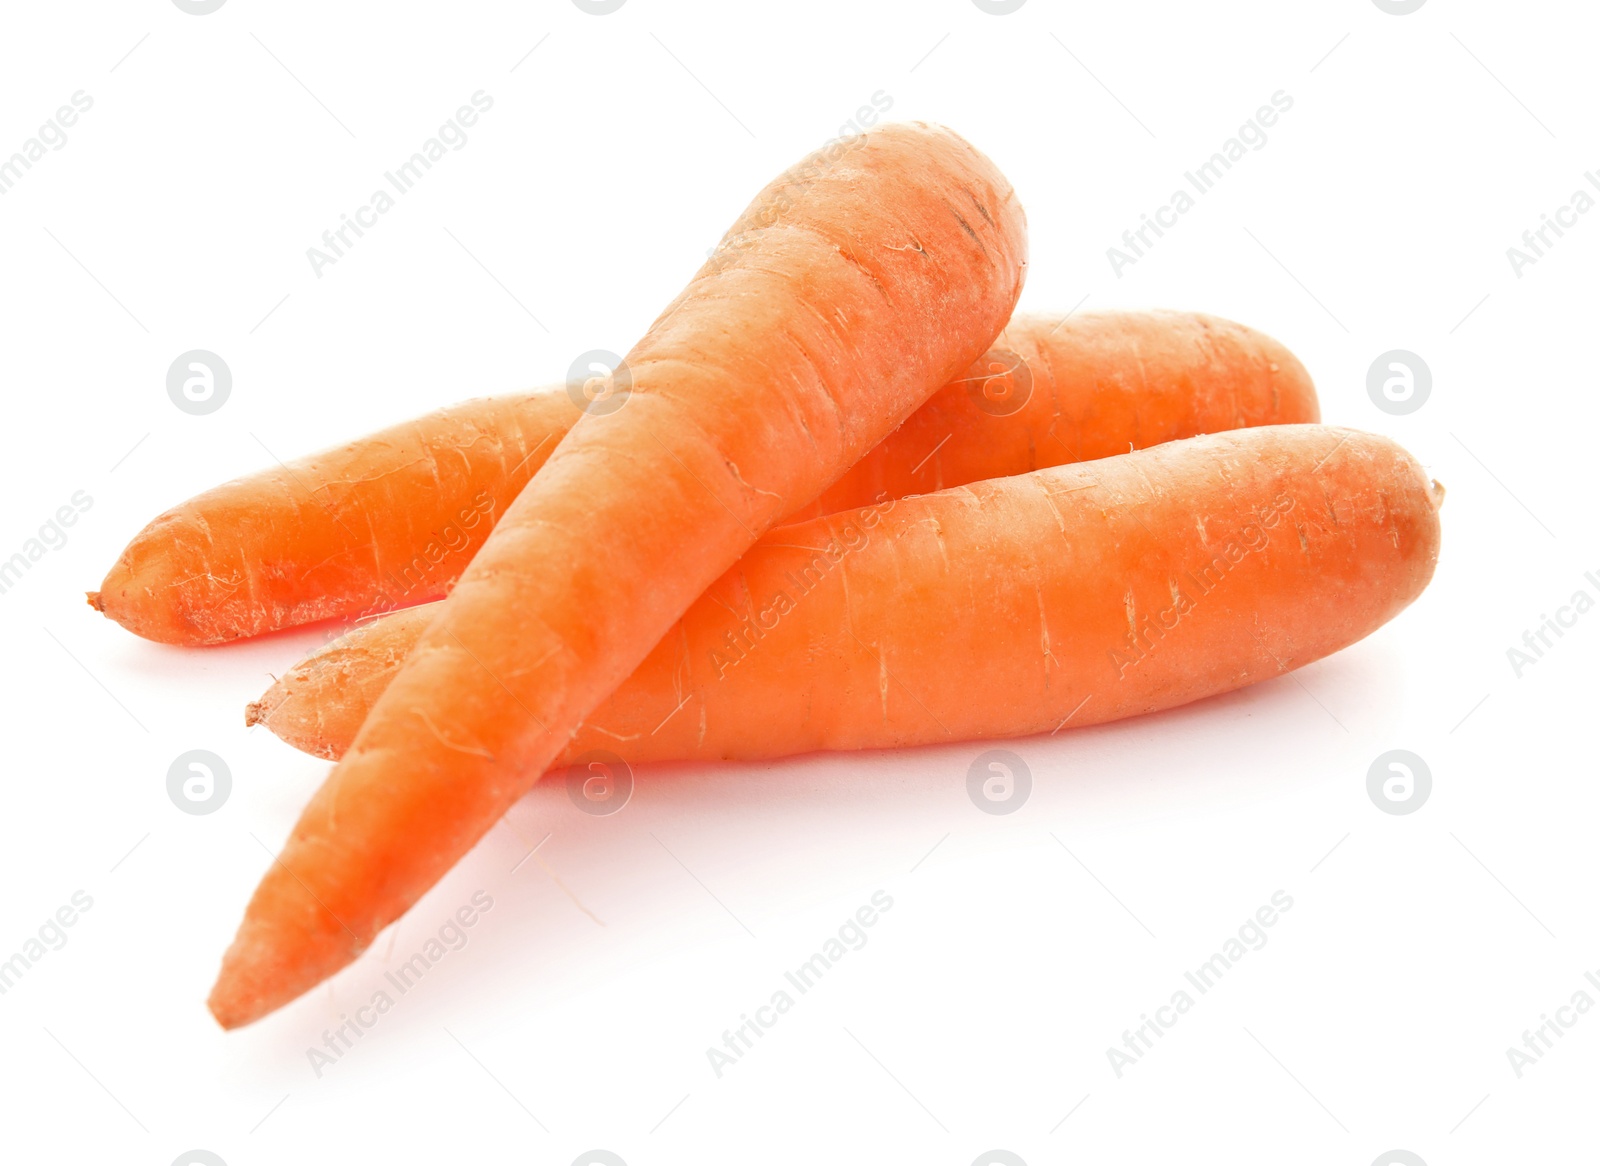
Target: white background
177	216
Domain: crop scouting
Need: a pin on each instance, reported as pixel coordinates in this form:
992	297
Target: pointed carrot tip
222	1014
288	943
231	1002
94	600
255	713
248	987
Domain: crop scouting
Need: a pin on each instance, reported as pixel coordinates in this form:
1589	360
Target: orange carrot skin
997	610
382	522
855	285
393	519
1052	391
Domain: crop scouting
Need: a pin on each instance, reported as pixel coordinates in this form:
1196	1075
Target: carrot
393	518
385	521
1072	595
854	286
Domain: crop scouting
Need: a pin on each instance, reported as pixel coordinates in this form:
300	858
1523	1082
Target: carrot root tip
94	600
1438	494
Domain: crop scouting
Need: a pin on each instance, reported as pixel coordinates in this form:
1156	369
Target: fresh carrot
392	519
1071	595
853	287
386	521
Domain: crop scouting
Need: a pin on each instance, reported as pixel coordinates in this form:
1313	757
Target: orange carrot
379	523
393	518
854	286
1072	595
